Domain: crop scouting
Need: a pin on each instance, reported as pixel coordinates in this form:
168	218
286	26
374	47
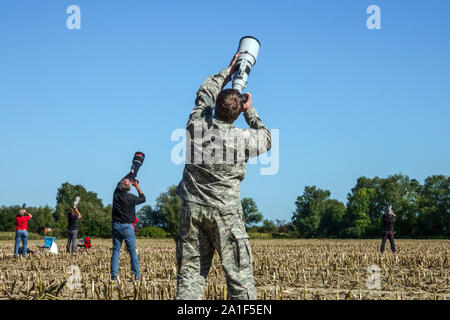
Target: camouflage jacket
217	151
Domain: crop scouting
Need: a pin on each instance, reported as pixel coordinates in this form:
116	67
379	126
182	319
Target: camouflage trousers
202	231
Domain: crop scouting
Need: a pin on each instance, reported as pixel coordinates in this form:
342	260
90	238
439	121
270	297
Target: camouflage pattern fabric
213	178
211	216
202	231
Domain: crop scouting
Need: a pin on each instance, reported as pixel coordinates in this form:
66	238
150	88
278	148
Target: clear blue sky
76	104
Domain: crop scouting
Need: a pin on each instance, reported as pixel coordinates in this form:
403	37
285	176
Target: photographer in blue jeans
123	215
21	232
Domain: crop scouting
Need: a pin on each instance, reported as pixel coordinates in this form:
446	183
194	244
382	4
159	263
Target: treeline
96	221
422	210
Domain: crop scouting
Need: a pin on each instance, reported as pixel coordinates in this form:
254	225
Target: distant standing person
72	229
22	232
389	218
123	217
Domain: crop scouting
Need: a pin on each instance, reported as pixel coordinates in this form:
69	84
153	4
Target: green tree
151	232
251	212
169	204
268	226
397	190
149	217
332	218
310	208
42	218
357	217
95	222
283	226
8	218
96	219
434	207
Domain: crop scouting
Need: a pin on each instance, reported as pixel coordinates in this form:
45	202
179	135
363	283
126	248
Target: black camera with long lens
138	160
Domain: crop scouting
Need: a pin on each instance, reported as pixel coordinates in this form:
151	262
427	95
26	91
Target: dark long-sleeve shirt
72	221
124	206
388	222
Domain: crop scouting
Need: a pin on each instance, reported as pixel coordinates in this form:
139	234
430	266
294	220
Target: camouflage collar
222	122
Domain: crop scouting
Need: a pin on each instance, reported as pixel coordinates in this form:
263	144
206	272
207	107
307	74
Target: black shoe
114	278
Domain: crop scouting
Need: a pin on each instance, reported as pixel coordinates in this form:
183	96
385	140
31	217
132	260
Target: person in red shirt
21	232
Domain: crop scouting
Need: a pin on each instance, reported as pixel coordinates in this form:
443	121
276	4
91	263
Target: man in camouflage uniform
211	216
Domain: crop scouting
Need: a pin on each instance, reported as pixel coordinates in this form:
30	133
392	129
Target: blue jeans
121	232
21	235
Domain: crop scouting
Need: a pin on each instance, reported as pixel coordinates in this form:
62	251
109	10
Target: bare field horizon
288	269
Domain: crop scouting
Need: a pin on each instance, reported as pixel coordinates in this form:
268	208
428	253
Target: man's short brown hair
229	105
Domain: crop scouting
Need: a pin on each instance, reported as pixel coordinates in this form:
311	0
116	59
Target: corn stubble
283	269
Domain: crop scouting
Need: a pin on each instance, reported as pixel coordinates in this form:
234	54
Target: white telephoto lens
77	200
249	49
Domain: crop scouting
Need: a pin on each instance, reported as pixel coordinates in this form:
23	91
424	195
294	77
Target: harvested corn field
283	269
